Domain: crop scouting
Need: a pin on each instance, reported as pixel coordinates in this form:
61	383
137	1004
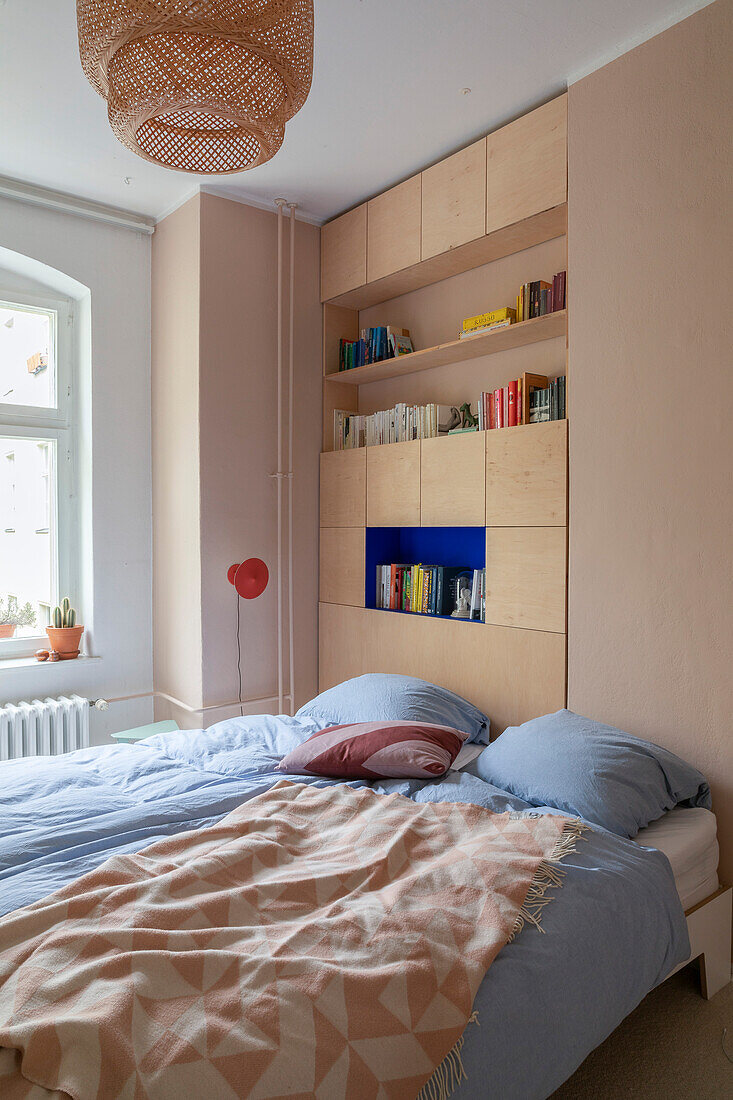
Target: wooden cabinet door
527	165
393	485
454	200
343	488
341	556
393	229
526	569
526	475
343	253
452	481
513	675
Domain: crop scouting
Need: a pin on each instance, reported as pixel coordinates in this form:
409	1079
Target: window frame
57	424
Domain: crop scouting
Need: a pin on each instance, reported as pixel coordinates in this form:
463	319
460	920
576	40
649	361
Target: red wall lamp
250	578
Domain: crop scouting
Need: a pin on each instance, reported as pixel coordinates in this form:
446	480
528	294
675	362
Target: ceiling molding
231	196
259	204
73	204
177	204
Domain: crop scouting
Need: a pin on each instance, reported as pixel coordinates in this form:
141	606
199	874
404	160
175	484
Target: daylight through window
35	466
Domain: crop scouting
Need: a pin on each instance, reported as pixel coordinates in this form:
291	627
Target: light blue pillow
384	697
592	771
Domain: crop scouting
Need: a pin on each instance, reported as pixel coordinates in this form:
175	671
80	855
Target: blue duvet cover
614	930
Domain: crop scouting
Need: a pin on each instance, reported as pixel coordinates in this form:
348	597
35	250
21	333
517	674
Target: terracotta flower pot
65	640
6	630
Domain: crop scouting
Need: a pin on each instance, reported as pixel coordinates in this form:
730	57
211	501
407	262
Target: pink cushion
373	750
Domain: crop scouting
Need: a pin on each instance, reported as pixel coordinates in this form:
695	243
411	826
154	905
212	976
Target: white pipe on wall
291	466
279	475
180	703
282	474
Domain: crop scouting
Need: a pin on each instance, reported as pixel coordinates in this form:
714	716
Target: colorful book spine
538	298
495	316
547	402
512	404
558	291
485	328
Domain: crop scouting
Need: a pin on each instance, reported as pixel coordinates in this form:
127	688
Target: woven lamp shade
199	85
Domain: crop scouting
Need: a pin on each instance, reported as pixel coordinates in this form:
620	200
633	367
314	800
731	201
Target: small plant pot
6	630
65	640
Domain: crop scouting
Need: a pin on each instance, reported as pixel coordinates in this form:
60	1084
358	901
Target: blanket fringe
449	1074
549	875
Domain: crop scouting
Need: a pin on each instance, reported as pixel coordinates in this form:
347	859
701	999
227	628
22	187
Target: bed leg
715	972
710	935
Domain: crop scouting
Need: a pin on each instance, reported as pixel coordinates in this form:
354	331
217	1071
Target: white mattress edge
687	836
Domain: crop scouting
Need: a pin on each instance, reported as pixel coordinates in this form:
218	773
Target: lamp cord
239	660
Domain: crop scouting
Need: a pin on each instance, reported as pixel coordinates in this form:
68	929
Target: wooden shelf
427	615
533	230
487	343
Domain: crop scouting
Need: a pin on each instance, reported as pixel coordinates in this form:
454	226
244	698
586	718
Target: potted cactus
12	616
64	636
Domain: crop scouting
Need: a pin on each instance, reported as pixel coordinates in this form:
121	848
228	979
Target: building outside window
37	518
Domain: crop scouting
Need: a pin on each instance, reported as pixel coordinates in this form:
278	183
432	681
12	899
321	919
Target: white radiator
43	728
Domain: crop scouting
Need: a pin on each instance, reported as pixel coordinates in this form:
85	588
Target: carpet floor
669	1048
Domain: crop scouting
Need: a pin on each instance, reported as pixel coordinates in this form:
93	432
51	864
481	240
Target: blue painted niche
461	547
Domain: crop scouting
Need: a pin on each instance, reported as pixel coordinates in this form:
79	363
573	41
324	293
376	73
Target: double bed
616	925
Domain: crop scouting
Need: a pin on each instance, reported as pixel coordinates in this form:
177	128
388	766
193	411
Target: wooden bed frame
710	924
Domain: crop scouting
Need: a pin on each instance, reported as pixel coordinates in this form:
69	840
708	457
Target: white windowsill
10	664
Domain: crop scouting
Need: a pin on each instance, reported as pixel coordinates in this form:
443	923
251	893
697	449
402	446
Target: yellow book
418	605
492	318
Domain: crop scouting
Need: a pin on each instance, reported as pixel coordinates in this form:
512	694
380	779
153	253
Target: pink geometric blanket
317	942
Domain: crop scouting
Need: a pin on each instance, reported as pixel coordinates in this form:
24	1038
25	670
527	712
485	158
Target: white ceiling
386	97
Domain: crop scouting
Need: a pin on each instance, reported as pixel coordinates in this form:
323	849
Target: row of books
505	407
432	590
502	407
397	425
540	297
548	403
535	299
374	345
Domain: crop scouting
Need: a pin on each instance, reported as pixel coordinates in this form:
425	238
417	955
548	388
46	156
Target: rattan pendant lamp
199	85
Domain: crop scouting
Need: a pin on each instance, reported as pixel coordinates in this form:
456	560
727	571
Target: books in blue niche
448	591
436	571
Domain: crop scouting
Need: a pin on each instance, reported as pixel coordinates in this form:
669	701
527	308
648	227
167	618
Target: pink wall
651	394
215	426
238	395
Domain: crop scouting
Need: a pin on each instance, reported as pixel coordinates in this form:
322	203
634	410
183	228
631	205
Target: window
36	465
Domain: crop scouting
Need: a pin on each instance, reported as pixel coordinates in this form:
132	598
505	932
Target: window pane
27	533
27	367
